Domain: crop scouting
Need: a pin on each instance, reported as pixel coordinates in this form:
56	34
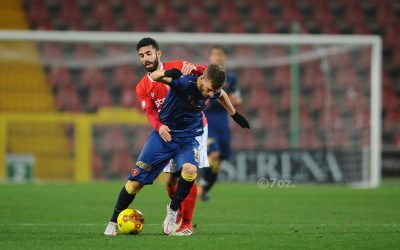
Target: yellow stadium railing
83	124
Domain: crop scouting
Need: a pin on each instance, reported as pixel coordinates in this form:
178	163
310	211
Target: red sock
188	205
171	190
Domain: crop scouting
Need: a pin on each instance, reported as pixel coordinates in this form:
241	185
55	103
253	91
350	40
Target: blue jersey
229	87
181	110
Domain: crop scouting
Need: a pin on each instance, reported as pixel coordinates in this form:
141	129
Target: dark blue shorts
156	153
219	131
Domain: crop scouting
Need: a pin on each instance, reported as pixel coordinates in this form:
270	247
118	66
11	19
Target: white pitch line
202	225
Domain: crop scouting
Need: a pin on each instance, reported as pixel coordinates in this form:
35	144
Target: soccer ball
130	221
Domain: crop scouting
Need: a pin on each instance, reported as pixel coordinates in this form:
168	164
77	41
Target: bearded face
149	57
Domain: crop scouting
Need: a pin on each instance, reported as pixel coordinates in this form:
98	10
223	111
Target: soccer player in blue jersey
219	137
181	112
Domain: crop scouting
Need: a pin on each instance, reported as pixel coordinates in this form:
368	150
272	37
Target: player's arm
190	68
224	100
153	117
165	76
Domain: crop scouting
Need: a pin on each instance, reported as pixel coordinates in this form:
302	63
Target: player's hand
241	120
163	131
173	73
187	68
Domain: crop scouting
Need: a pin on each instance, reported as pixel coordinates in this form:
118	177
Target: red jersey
152	94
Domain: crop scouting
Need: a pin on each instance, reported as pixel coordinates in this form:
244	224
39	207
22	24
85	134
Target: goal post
339	106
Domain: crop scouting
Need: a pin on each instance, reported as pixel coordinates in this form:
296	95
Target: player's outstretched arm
165	76
227	104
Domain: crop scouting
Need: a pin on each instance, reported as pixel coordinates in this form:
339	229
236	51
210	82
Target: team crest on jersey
196	155
135	171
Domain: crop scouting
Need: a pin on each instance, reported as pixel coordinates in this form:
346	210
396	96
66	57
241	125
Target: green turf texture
239	216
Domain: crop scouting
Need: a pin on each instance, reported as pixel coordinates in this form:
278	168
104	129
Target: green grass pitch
239	216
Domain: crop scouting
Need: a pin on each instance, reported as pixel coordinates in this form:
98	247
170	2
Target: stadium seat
306	123
235	28
392	120
67	99
396	140
355	100
229	15
70	12
361	120
281	77
260	14
391	37
141	135
38	13
338	139
346	77
258	98
354	14
330	28
291	14
275	140
318	99
112	139
84	51
385	16
129	98
133	12
322	13
284	101
312	77
97	167
165	14
102	13
59	77
51	51
123	76
396	58
108	25
92	78
242	139
268	119
251	78
77	25
121	163
98	97
308	140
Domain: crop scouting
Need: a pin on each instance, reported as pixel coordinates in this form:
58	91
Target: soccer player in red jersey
152	95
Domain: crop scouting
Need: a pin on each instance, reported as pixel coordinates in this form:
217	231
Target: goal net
313	100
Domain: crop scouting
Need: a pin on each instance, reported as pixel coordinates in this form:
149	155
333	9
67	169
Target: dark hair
216	74
218	47
146	42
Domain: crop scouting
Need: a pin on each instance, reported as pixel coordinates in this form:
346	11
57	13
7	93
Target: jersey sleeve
141	94
173	64
200	69
148	106
153	116
179	65
181	83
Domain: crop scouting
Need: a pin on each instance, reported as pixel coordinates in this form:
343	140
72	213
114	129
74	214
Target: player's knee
133	187
189	172
171	180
